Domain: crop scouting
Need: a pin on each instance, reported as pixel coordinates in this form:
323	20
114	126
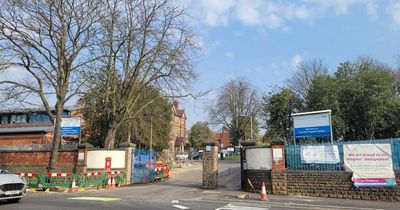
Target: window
20	118
4	119
39	118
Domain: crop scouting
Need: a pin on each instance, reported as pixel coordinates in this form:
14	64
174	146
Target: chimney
176	104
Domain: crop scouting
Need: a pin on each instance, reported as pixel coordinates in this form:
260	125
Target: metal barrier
84	180
293	155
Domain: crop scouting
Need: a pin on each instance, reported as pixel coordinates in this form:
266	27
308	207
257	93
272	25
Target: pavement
183	191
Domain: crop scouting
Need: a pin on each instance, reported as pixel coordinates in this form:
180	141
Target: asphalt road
182	191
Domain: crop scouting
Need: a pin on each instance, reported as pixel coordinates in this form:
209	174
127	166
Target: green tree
276	113
367	99
136	129
200	133
323	94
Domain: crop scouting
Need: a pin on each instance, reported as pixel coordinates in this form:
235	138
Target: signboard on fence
323	154
71	126
371	164
312	124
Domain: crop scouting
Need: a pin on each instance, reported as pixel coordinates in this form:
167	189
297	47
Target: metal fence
293	155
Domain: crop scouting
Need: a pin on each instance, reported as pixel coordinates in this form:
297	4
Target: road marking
103	199
175	201
180	207
232	207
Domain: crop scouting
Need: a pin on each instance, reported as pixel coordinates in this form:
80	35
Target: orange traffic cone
108	183
74	188
263	193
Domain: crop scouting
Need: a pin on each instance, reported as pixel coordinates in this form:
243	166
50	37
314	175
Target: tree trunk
56	138
110	139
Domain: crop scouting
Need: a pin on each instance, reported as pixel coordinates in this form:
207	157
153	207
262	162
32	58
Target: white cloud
229	55
276	14
372	10
296	61
249	13
394	12
340	7
217	11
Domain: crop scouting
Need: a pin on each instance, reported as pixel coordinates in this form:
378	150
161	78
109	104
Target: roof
179	141
26	129
32	109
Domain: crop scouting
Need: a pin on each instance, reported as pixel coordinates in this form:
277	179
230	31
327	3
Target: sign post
316	124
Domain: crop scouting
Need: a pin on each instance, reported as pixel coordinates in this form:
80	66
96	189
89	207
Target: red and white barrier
58	174
92	173
115	172
26	174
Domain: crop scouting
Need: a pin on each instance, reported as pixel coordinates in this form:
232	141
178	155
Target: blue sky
264	41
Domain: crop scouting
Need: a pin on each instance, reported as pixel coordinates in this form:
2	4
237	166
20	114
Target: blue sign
70	131
312	132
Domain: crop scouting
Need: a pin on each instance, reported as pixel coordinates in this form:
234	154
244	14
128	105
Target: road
182	191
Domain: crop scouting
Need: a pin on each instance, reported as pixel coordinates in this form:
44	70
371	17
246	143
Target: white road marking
180	207
232	207
175	201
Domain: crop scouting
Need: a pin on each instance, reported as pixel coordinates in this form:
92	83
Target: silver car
12	187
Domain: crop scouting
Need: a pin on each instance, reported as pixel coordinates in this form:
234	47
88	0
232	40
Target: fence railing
294	162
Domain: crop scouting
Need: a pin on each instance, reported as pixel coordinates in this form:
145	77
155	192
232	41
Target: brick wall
336	184
36	161
256	178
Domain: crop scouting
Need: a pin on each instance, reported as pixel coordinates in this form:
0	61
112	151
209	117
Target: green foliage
276	111
200	133
363	97
137	129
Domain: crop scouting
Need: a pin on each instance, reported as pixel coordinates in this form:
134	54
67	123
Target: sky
264	41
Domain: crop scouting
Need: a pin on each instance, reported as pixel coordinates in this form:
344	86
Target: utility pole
251	127
151	133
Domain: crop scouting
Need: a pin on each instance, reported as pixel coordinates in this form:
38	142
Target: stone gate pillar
127	146
81	164
210	166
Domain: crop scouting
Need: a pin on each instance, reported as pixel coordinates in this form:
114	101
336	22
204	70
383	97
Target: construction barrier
73	181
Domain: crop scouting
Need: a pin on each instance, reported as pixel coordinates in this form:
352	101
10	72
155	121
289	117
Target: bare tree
146	43
301	80
237	108
51	43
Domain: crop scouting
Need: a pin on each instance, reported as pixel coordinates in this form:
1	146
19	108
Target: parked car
195	155
12	187
182	156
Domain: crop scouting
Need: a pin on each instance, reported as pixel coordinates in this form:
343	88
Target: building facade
30	126
221	138
178	130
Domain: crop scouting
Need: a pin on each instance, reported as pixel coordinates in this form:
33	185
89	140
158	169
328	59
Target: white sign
312	124
70	126
208	148
277	154
81	156
371	164
325	154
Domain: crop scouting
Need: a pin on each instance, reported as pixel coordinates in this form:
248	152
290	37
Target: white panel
97	159
259	158
305	121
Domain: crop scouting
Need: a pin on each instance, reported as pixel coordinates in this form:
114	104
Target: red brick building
29	126
222	138
178	130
